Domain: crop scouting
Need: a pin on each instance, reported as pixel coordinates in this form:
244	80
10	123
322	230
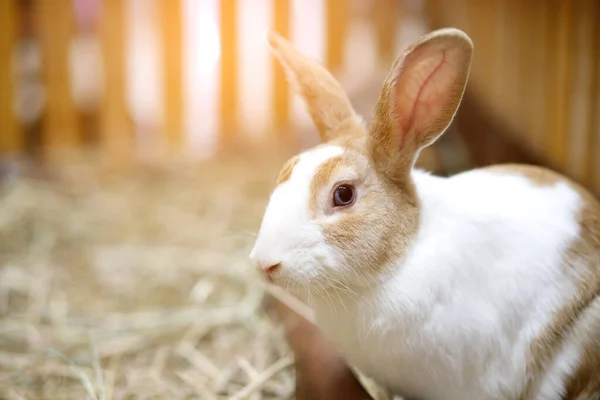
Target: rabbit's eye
343	195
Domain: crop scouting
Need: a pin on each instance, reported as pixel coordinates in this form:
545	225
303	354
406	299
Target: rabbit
481	285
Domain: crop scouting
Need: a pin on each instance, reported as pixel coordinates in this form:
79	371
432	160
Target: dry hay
134	284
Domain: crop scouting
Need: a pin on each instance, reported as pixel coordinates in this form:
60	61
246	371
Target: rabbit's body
480	286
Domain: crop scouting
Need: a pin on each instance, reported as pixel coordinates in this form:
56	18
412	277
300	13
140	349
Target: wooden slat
498	27
11	138
580	90
510	60
479	31
560	79
386	16
534	67
116	131
228	76
337	14
172	39
56	25
524	28
281	98
503	53
434	12
593	158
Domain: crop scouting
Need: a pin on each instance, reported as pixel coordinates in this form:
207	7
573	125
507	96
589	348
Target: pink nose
269	269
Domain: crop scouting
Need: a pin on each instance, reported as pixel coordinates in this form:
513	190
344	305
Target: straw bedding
134	284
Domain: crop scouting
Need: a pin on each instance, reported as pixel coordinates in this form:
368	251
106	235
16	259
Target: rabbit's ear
327	103
419	99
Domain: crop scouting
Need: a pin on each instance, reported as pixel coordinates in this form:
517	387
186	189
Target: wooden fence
187	75
196	75
537	71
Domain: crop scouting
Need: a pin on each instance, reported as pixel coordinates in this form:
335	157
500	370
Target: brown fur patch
321	179
287	169
585	382
577	319
538	175
378	227
376	233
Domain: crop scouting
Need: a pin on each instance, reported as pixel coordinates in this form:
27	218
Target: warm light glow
202	53
209	43
308	33
144	67
254	67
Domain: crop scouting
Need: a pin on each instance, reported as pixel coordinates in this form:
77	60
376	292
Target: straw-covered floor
135	284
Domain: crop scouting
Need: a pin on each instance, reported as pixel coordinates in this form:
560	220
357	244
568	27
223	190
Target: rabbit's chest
415	359
390	355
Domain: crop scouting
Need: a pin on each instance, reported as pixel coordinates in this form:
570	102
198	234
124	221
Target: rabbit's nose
268	269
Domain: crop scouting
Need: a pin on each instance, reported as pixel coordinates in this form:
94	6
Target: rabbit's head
344	210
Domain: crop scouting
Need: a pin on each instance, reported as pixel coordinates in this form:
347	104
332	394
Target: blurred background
139	140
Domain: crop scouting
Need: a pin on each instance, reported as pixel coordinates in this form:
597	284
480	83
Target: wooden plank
172	39
480	26
560	79
593	151
337	20
534	90
56	25
511	58
524	31
228	76
386	17
580	90
281	98
116	130
11	139
503	53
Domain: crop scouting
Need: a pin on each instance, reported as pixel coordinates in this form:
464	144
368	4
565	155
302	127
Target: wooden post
560	79
510	58
533	65
337	28
172	43
116	131
11	139
593	149
228	92
484	68
281	98
386	16
86	69
56	25
580	90
524	28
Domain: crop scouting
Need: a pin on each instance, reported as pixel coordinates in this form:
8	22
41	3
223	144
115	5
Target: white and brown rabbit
484	285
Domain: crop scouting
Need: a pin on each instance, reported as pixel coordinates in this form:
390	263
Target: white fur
479	283
287	232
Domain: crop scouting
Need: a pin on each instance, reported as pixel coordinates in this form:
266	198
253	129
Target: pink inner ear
424	88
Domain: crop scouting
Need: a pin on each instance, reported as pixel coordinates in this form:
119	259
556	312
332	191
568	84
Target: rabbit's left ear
419	100
327	103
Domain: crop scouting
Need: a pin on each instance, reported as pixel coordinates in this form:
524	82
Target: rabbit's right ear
419	100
